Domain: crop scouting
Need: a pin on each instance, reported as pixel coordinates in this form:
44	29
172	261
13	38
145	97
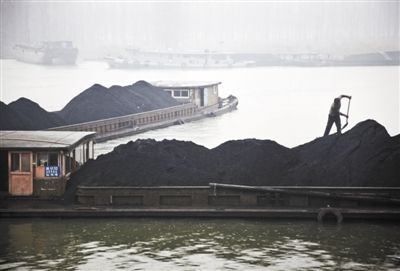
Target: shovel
348	109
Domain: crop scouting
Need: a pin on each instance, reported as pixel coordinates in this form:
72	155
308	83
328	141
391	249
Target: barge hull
309	214
134	124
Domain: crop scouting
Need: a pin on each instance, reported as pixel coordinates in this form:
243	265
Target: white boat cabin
201	94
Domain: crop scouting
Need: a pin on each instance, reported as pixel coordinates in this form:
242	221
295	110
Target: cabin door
20	175
3	171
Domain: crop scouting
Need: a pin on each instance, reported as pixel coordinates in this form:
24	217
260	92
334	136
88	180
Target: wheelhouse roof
184	84
55	140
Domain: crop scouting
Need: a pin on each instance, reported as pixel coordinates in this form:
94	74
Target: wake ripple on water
145	244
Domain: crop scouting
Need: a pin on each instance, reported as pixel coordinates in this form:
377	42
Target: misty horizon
100	28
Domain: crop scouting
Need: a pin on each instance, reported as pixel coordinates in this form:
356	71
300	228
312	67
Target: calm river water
285	104
151	244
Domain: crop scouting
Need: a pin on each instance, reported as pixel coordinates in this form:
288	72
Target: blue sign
52	171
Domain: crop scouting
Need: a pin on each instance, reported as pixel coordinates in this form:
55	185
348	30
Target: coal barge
197	100
171	178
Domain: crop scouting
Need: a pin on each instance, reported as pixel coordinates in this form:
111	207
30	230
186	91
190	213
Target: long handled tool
348	110
300	192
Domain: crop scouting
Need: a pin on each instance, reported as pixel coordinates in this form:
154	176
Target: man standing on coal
334	115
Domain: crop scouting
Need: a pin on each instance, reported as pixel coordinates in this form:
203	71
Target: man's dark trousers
331	120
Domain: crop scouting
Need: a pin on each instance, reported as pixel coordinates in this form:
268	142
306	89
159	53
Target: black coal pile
36	115
99	102
96	102
10	120
24	114
364	156
252	162
145	162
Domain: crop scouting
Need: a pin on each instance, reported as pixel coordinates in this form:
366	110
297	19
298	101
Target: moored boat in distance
140	59
174	60
48	53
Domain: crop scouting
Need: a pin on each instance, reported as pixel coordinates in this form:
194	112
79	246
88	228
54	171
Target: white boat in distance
170	59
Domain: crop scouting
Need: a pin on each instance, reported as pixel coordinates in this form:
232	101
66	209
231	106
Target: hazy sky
262	26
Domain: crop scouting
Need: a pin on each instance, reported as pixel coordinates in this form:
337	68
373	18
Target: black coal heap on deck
96	102
24	114
99	102
366	155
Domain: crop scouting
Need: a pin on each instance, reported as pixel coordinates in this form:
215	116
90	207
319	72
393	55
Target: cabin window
21	162
169	92
15	162
185	93
47	159
53	159
42	159
177	93
25	162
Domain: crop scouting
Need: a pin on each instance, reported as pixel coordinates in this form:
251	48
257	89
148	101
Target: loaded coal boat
343	177
338	177
195	100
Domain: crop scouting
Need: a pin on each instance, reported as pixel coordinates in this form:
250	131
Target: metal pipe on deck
377	199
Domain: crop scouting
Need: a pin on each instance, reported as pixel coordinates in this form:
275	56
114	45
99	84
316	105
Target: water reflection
148	244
